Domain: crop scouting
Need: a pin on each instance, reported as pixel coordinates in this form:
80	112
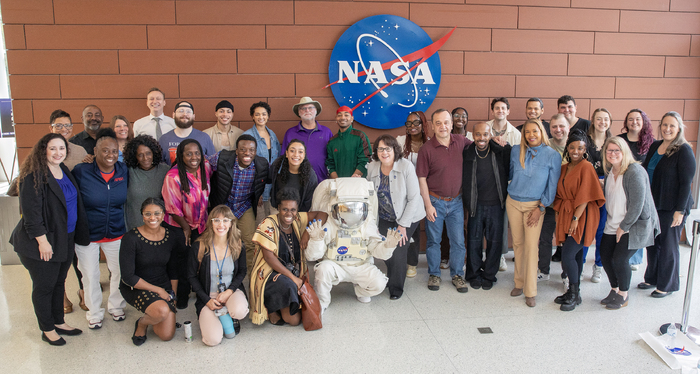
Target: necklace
488	149
285	228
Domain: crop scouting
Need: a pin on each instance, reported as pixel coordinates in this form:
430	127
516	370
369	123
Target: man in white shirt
155	124
223	134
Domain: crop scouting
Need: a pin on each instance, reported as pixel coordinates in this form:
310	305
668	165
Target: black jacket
200	275
672	178
45	212
500	159
222	180
306	195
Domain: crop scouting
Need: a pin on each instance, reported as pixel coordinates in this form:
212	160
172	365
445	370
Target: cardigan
44	212
500	160
641	219
404	189
200	276
672	178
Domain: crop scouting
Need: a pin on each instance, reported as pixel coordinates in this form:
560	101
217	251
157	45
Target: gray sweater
641	219
142	184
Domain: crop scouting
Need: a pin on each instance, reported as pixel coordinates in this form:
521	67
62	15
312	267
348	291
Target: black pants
615	257
546	235
572	259
48	287
414	248
663	258
77	271
183	282
396	265
487	222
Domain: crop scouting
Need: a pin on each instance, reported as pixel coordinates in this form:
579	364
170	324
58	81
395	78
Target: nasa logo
342	250
384	67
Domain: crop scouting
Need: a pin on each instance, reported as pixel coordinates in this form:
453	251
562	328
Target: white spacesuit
349	240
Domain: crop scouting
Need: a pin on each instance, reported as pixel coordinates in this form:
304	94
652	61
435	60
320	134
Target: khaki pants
525	244
247	226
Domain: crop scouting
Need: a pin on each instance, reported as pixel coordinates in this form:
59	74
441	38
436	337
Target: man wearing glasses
184	119
314	135
62	124
92	121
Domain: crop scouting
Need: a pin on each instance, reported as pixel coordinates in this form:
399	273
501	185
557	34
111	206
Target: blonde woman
216	270
534	173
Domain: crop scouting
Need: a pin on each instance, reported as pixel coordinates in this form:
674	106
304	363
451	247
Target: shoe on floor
516	292
411	271
503	266
434	283
444	264
645	286
460	284
119	315
57	342
542	276
609	298
595	278
634	267
617	302
95	324
475	283
486	284
364	299
72	332
137	340
658	294
530	301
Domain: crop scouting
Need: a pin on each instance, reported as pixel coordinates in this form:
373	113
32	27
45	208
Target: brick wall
618	54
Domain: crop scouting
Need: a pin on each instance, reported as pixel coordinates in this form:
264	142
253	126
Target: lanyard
220	268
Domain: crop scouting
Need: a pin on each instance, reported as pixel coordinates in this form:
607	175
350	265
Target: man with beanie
184	119
348	150
223	134
314	135
155	124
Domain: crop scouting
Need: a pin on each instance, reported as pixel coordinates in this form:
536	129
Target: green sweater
348	151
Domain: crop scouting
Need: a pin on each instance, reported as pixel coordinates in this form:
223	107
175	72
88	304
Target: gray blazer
405	192
641	219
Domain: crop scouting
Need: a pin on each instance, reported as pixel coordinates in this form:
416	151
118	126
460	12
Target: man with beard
534	109
502	131
348	150
184	119
155	124
485	169
92	121
223	134
314	135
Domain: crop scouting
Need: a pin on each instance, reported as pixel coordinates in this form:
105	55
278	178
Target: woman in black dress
53	219
149	272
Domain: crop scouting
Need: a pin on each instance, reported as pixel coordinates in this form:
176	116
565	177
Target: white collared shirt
147	125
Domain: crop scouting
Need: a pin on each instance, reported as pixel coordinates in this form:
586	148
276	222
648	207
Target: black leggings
396	265
615	257
572	259
77	271
48	287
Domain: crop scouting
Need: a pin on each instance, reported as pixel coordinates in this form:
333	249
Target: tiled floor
423	332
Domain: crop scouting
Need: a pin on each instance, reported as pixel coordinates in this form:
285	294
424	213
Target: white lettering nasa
375	73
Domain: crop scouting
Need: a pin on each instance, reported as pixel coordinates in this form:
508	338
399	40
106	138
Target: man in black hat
223	134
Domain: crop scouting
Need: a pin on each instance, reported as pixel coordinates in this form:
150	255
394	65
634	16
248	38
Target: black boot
556	257
574	298
561	298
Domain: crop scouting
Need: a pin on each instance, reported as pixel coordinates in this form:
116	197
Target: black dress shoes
60	341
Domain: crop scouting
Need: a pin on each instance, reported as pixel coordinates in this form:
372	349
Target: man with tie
155	124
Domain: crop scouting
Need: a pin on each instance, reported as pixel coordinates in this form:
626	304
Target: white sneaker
95	324
503	266
634	267
595	278
566	284
411	271
364	299
542	276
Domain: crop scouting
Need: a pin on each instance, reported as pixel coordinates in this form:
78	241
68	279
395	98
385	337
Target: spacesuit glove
392	238
316	230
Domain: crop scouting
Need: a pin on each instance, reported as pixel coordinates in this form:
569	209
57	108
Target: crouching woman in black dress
149	272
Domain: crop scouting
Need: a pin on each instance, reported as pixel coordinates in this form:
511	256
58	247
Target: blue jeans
637	257
451	213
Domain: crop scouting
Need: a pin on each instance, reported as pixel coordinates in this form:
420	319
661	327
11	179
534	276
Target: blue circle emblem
342	250
384	67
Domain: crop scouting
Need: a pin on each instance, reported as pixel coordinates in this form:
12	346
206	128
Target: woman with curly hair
294	170
53	219
143	156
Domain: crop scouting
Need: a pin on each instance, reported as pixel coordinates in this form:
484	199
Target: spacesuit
350	239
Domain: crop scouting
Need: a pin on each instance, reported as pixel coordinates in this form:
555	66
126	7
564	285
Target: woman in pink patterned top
186	204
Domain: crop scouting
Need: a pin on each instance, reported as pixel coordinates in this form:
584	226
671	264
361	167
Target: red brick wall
618	54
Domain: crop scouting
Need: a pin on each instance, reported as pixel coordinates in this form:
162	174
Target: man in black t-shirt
534	109
567	106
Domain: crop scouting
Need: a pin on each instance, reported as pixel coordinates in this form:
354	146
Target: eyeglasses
60	126
307	108
221	220
383	149
415	123
613	151
154	214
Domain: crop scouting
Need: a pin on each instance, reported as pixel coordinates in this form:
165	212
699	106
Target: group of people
175	210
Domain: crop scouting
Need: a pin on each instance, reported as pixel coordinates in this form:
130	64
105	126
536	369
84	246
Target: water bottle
226	322
670	336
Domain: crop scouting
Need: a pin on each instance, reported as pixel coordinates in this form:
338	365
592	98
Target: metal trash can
9	206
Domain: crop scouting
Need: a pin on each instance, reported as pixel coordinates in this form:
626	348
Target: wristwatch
575	218
541	208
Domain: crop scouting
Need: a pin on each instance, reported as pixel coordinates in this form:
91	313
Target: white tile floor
423	332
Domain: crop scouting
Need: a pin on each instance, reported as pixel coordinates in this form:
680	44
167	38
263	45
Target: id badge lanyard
220	286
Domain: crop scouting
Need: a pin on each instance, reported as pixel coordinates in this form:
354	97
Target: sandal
81	304
280	321
67	304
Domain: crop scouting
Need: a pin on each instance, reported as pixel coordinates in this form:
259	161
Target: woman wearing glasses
149	272
216	269
460	117
410	144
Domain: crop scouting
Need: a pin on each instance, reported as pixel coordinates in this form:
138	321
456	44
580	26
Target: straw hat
306	100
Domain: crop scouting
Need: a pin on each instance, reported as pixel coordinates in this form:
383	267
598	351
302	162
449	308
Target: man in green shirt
349	150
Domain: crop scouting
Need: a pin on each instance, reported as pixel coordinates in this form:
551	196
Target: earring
585	155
